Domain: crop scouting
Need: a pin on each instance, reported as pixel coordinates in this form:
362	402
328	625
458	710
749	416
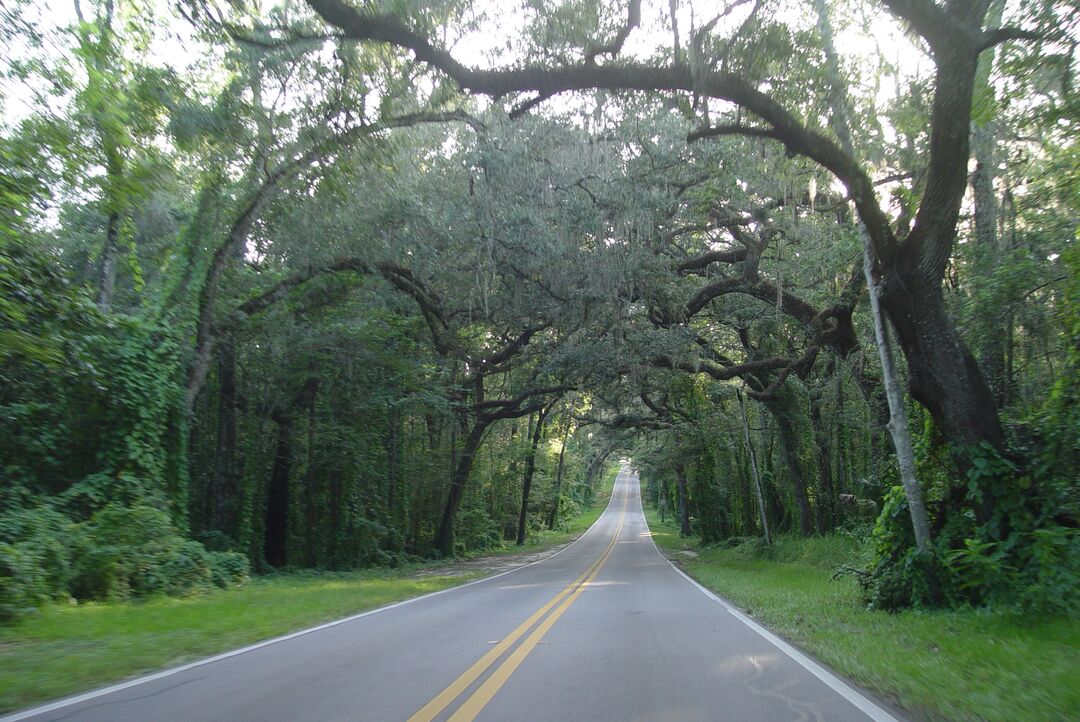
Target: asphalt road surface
606	629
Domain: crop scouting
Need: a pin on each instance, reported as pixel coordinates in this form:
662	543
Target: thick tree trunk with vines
752	458
783	408
223	490
898	423
943	374
277	497
826	507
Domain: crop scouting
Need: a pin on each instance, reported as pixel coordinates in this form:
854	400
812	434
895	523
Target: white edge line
87	696
866	706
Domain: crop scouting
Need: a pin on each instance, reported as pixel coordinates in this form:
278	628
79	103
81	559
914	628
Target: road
606	629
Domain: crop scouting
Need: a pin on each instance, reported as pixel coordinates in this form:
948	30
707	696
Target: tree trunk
395	503
594	467
684	506
277	498
898	423
826	506
985	213
275	541
754	468
526	481
841	437
310	498
943	375
789	444
444	537
223	491
553	515
109	257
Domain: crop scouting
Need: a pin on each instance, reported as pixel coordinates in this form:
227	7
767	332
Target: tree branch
703	261
795	136
995	37
633	19
732	129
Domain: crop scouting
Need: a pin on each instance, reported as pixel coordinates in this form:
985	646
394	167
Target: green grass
65	649
61	649
955	665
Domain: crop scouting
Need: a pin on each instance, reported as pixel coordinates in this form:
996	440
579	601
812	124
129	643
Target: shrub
476	531
44	540
229	569
186	570
18	588
135	551
1020	556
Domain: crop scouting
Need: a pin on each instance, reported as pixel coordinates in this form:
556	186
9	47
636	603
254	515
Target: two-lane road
605	629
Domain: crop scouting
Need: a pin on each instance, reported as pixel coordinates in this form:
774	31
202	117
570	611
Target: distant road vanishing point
606	629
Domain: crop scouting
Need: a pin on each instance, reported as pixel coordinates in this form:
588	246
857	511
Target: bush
1019	557
187	570
18	583
135	552
120	552
476	531
229	569
44	540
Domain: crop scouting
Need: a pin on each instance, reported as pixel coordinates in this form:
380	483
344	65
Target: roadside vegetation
63	649
960	664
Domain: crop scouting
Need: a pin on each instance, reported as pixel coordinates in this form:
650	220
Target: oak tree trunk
553	515
526	481
684	506
444	537
223	490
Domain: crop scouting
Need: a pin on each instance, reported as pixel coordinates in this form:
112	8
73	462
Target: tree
944	376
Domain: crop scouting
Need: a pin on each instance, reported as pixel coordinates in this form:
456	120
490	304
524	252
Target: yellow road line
471	707
441	701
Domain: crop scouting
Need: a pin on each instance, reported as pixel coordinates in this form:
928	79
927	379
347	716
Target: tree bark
943	375
826	506
109	258
395	502
898	422
553	515
444	537
275	541
277	498
594	467
223	491
754	468
790	446
684	502
526	481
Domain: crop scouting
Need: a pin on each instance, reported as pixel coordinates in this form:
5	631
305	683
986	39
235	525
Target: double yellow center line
471	707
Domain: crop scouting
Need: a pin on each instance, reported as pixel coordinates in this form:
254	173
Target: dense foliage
316	294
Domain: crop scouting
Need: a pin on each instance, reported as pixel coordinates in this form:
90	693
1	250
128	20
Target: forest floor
65	649
936	665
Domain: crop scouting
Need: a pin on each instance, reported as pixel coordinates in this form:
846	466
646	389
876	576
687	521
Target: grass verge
953	665
66	649
62	650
